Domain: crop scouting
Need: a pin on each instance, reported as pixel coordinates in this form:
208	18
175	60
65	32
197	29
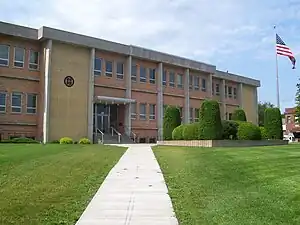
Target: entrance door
104	123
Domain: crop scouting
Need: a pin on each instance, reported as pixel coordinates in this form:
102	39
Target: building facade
291	128
55	83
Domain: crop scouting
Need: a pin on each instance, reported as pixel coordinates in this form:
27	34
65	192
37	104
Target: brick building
55	83
291	126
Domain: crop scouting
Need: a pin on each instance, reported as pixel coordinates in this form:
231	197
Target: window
196	118
172	79
97	66
33	60
133	111
16	102
180	81
203	85
4	55
217	89
191	82
108	68
133	73
142	111
191	115
19	57
152	112
31	103
152	76
288	119
234	93
120	70
196	83
143	75
2	102
225	91
229	116
230	92
164	80
213	88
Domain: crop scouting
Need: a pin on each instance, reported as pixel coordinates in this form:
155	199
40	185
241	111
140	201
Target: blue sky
234	35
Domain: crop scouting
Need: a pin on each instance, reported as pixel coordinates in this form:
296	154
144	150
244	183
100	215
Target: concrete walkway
133	193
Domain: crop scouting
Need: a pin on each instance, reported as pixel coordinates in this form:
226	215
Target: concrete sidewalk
133	193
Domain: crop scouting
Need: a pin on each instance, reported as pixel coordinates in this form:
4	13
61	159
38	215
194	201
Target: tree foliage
273	123
171	121
239	115
262	106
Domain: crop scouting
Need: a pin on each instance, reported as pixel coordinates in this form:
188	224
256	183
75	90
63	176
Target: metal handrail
131	133
113	130
102	134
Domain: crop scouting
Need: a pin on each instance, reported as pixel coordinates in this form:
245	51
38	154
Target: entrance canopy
113	100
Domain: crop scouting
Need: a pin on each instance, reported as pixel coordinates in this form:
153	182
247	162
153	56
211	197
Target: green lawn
237	186
51	184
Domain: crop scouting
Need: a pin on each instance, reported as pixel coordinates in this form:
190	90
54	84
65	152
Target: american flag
283	49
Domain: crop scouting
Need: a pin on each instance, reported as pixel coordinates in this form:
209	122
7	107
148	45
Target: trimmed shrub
66	140
239	115
84	141
263	132
273	123
21	140
210	125
248	131
171	121
190	131
177	133
54	142
230	129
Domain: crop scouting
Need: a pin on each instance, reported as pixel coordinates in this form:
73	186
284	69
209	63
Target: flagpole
277	77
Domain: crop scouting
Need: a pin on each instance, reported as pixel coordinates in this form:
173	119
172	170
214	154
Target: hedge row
64	140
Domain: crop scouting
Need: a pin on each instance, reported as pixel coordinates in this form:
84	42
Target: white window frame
8	56
196	86
95	70
16	61
142	115
133	76
235	93
230	92
109	73
151	80
34	64
120	76
164	82
16	107
196	115
180	85
5	102
203	88
36	101
143	79
152	114
191	115
217	89
133	114
171	83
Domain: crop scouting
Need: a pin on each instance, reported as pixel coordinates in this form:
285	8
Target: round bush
84	141
239	115
263	132
171	121
177	133
230	129
210	126
273	123
248	131
66	140
190	131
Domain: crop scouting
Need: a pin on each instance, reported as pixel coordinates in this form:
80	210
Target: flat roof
45	33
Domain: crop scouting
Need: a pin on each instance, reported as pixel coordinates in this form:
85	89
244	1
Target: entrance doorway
105	117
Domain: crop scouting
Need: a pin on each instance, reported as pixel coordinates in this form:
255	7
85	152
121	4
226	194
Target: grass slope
233	186
51	184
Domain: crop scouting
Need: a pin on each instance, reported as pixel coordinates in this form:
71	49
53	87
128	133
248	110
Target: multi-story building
55	83
291	128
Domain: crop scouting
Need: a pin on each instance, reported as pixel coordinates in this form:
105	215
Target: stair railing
101	133
114	131
131	134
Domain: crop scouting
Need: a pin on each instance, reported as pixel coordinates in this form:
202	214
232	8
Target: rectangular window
97	66
142	111
191	115
234	93
213	88
288	119
16	102
108	68
152	76
2	102
33	60
4	55
143	74
164	80
229	116
196	83
225	91
196	118
172	79
31	103
230	92
120	70
152	112
180	81
133	73
203	88
19	57
191	82
217	89
133	111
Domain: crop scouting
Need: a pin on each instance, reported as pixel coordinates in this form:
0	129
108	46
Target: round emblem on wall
69	81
